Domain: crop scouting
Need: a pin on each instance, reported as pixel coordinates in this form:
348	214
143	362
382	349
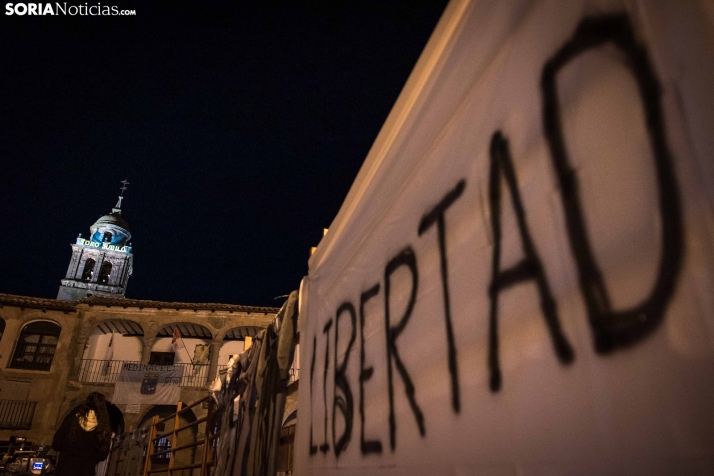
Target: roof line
57	305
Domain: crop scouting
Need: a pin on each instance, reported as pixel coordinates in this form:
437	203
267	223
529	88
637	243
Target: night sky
240	126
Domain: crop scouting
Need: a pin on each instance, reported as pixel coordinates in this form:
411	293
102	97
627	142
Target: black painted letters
373	446
436	215
529	268
325	447
313	448
405	258
344	402
611	328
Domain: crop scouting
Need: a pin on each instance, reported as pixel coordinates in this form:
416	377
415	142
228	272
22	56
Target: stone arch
106	344
116	323
191	335
35	318
190	350
163	411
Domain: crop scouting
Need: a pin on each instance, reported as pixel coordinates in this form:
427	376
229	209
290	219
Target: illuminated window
105	272
161	445
88	270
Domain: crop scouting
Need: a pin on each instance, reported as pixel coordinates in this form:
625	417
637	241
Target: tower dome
111	228
102	264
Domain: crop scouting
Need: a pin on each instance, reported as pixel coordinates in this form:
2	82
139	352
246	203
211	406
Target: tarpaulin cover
521	278
148	384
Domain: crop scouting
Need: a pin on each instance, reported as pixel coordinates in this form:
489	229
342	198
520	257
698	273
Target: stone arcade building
53	352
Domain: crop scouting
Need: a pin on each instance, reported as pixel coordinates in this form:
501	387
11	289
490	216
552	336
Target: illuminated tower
102	264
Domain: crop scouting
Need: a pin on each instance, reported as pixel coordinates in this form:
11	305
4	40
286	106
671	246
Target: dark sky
240	125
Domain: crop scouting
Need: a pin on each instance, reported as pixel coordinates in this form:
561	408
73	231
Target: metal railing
16	414
107	371
101	371
32	356
194	375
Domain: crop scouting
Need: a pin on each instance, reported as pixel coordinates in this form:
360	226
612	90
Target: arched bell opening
105	272
88	270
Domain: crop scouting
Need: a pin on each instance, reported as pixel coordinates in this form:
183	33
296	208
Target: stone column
213	363
97	267
149	340
76	351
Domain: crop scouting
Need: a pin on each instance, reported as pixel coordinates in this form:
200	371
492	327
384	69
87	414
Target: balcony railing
194	375
107	371
32	356
16	414
101	371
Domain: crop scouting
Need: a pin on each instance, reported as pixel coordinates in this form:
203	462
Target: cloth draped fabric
248	440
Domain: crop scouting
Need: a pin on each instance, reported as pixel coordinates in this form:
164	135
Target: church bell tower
102	264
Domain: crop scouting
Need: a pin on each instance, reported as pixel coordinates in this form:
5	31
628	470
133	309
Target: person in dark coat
116	418
84	437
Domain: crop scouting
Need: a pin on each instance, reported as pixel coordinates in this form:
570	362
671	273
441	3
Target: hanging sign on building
148	384
520	279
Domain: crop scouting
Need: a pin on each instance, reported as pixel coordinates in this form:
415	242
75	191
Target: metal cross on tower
123	183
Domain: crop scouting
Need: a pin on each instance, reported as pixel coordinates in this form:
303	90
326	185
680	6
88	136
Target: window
161	358
107	237
2	327
88	270
163	444
104	272
35	348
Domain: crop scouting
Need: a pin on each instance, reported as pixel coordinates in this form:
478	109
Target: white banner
148	384
521	279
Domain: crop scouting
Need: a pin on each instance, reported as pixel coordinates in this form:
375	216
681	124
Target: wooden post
150	445
174	438
207	440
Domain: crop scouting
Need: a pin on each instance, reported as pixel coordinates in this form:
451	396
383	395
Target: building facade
54	352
